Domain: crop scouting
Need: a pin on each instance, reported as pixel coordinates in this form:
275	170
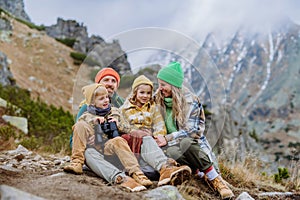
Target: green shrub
7	132
91	61
32	143
127	81
92	74
283	173
67	41
45	123
147	70
294	144
78	56
253	134
31	25
4	11
59	142
206	112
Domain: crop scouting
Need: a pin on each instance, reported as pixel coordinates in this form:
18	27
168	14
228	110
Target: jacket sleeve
123	125
87	117
196	120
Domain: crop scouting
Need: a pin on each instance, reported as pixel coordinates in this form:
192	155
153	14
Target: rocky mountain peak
16	8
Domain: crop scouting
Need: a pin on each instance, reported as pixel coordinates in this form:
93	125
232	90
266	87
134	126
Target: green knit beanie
172	74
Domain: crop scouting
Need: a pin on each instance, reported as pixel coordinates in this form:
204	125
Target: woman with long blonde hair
185	123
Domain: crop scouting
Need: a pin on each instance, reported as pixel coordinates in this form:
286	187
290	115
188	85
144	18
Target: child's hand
160	140
112	119
99	120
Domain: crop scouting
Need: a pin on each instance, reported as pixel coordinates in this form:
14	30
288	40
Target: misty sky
193	18
109	17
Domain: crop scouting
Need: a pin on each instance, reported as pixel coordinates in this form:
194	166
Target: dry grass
246	176
293	184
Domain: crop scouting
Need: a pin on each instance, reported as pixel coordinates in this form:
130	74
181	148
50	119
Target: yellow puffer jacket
146	117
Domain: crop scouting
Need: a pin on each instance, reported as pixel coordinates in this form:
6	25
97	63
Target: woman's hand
160	140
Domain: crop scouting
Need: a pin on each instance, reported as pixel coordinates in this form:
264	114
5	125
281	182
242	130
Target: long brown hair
179	108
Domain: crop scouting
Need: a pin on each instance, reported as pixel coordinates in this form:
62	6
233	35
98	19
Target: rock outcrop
103	53
16	8
6	77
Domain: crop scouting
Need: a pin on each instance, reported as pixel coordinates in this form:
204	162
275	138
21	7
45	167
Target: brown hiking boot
129	184
74	168
141	179
219	185
170	173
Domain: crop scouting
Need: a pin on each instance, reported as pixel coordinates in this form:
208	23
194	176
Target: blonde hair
133	94
179	108
101	90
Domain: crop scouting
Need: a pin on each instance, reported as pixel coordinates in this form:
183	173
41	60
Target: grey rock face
16	8
166	192
103	53
6	77
11	193
5	25
19	122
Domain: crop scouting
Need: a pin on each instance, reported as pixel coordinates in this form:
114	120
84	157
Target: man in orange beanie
111	80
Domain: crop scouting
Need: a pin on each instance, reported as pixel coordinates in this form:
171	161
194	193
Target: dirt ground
64	186
59	185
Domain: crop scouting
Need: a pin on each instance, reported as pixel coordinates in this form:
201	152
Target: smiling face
165	88
110	83
143	94
101	99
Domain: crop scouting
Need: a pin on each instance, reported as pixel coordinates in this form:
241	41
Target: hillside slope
40	64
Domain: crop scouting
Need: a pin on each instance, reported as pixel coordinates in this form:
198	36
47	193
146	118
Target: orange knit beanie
107	72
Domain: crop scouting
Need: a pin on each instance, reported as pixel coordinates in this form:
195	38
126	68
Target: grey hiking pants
152	154
97	163
188	152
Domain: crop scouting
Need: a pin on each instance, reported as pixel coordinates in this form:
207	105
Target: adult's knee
173	152
186	144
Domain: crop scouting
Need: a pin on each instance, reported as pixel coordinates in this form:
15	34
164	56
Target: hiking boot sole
72	171
136	189
184	170
180	177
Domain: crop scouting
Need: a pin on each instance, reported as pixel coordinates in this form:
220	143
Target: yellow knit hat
89	91
141	80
